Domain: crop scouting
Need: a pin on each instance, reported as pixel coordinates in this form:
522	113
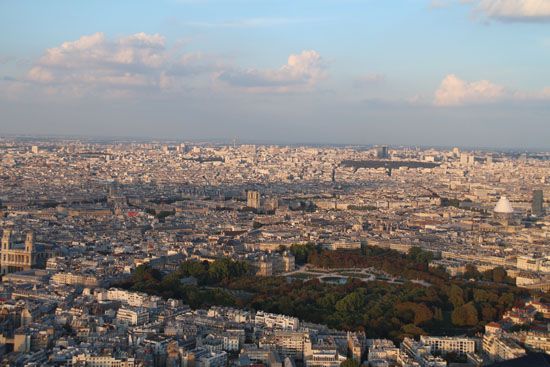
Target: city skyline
235	141
274	183
429	73
163	254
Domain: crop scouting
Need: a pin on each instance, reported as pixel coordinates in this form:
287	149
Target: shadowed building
537	204
382	152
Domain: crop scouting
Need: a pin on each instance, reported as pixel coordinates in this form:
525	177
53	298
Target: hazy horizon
111	139
427	73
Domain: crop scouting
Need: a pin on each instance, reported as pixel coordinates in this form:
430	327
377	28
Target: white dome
503	206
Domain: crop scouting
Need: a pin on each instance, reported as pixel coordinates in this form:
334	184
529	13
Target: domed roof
503	206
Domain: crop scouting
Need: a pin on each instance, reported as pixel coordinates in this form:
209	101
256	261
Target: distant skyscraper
467	158
382	152
537	204
34	149
253	199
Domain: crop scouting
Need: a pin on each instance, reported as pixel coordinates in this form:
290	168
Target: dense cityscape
169	253
274	183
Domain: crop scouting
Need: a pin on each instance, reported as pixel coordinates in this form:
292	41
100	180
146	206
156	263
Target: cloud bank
93	61
454	91
514	10
95	64
301	71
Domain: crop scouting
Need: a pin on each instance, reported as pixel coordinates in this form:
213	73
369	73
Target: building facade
537	204
16	256
253	199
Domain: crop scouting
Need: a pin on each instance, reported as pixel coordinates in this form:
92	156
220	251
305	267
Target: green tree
218	270
302	252
456	296
471	272
350	363
499	275
481	295
350	309
465	315
144	273
420	256
412	330
352	303
488	313
193	268
506	300
420	313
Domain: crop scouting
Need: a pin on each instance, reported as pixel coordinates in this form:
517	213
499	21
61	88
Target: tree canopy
381	309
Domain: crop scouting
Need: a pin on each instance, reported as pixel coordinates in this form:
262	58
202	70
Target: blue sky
446	72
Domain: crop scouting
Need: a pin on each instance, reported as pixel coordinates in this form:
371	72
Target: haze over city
275	183
441	72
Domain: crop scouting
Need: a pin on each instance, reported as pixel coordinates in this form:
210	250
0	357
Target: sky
472	73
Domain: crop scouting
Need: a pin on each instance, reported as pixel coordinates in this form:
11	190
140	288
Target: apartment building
276	321
133	316
449	344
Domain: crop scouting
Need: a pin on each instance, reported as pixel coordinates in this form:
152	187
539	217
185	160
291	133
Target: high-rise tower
253	199
537	203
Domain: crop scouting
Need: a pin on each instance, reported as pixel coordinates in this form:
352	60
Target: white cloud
302	71
515	10
95	64
124	66
93	61
455	92
40	74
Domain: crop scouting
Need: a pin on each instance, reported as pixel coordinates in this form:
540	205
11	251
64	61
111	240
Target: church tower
6	239
29	242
